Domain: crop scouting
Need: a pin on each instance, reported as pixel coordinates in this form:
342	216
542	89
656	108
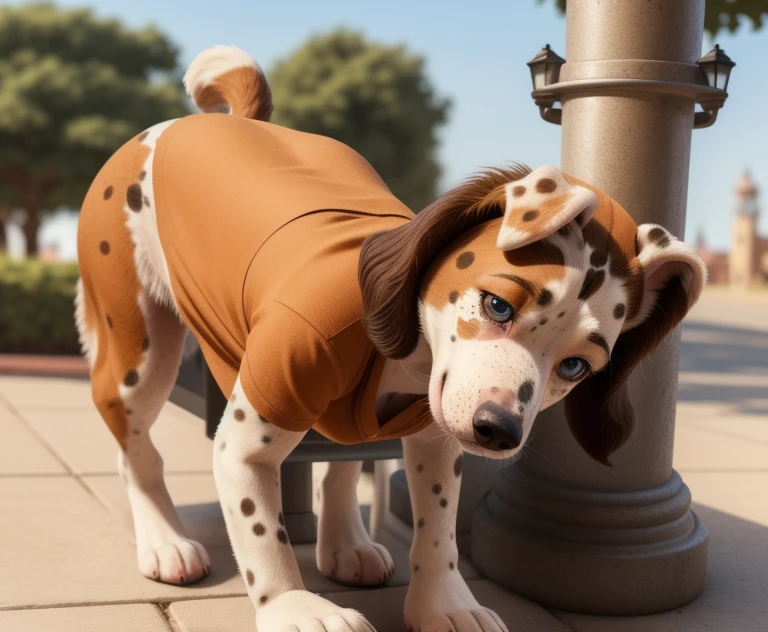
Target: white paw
445	604
178	562
302	611
357	565
477	620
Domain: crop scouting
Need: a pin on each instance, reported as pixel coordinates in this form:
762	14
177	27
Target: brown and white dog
509	293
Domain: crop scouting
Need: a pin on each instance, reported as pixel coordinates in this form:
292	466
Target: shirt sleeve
290	373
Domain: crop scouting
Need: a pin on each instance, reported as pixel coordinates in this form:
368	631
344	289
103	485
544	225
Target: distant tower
744	264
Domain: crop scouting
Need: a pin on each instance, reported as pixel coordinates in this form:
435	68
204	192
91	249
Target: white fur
89	341
151	266
438	598
213	63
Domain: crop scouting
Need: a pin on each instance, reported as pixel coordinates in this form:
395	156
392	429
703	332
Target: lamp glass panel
722	77
712	75
553	73
539	76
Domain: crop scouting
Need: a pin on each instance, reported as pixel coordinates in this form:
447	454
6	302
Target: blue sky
476	54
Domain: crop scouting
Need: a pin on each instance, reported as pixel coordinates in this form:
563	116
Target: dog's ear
540	204
392	262
598	410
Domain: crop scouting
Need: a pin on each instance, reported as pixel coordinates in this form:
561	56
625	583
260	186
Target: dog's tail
226	79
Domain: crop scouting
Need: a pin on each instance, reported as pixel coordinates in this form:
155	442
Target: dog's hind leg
129	388
134	348
345	551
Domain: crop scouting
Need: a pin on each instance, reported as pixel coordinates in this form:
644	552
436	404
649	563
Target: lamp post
578	535
545	71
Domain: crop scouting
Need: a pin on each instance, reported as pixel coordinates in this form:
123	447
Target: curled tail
226	79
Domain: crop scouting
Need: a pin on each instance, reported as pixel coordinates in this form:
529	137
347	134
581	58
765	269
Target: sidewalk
66	545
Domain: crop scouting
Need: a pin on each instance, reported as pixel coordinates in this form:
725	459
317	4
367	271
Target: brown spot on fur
142	175
143	135
263	599
109	321
543	321
437	488
656	234
453	297
468	329
239	414
420	524
133	197
545	298
546	185
529	216
593	281
248	507
146	201
619	311
450	565
266	439
443	502
518	190
458	464
145	344
416	568
131	378
104	247
465	259
282	536
249	577
108	192
420	468
259	529
598	259
525	392
561	314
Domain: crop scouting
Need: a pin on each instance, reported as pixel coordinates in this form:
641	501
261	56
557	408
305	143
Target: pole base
609	553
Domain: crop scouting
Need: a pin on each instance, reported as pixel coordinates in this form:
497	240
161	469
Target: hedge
37	307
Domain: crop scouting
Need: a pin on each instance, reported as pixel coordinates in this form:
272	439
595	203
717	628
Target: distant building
746	264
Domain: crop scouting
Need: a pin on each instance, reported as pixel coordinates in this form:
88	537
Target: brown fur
245	90
112	311
392	263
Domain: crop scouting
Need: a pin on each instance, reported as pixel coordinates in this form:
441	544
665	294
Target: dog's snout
496	428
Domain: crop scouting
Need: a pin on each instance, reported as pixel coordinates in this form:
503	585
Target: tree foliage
374	98
73	88
720	15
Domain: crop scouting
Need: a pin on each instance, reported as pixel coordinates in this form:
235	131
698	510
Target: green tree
73	88
720	14
374	98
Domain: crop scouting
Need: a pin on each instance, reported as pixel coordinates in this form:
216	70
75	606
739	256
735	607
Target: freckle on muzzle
496	428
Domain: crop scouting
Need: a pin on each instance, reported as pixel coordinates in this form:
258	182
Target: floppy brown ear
393	262
598	410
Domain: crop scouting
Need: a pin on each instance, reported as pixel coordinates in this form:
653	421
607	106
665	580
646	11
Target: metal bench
197	392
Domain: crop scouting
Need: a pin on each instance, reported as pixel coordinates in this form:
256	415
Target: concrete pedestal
558	527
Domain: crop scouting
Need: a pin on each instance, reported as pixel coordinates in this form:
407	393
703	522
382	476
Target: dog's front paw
302	611
445	604
477	620
368	564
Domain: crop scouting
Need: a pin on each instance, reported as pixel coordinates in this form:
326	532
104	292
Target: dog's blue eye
497	309
572	368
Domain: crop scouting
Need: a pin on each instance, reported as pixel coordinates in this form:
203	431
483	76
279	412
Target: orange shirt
261	227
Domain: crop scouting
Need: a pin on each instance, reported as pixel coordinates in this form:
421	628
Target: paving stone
129	618
60	546
20	451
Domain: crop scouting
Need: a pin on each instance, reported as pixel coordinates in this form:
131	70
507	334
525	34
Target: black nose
496	428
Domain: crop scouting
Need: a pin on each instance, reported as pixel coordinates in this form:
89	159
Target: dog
320	301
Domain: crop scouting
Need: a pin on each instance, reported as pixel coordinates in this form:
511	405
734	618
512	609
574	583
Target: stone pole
558	527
